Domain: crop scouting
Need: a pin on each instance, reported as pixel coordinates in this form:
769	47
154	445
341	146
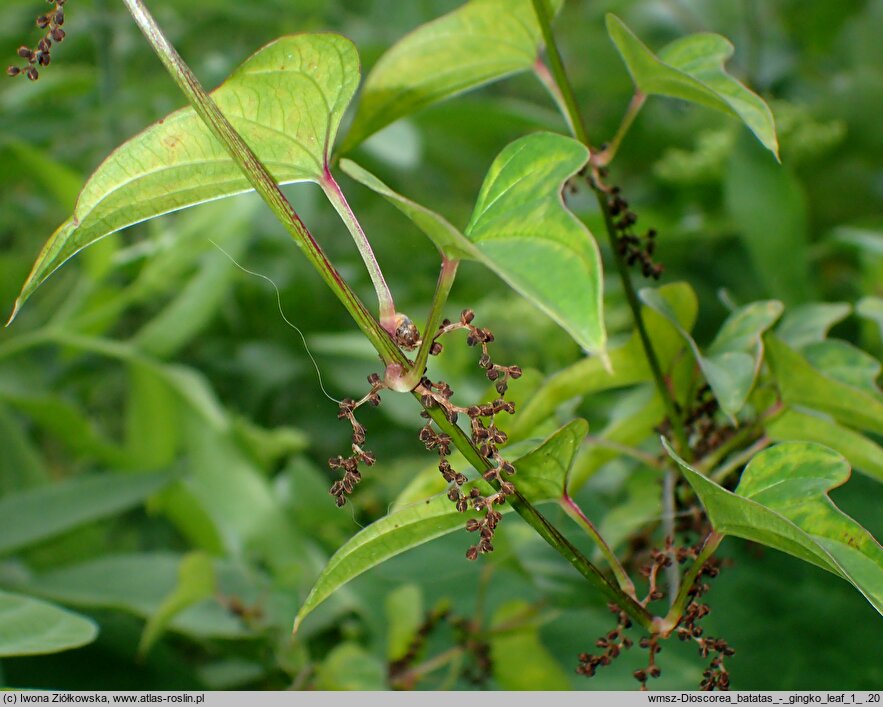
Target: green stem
266	186
605	157
442	290
572	509
673	571
560	75
579	132
631	296
261	180
668	624
384	296
545	529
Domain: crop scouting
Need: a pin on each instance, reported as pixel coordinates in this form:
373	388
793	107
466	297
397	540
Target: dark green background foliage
156	392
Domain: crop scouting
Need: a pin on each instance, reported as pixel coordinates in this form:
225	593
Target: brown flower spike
40	55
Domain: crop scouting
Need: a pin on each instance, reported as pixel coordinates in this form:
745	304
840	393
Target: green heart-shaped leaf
530	239
541	475
728	368
692	69
522	231
480	42
286	101
782	501
33	627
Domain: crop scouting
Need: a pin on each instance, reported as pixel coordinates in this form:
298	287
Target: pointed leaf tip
692	68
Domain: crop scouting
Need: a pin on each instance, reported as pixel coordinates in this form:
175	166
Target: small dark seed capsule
466	316
654	671
59	17
472	525
57	34
472	553
493	374
435	349
42	21
640	675
43	60
13	71
32	73
24	53
515	372
44	45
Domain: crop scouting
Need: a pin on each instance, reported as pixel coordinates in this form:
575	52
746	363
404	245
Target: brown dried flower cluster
485	435
612	645
636	250
350	465
40	55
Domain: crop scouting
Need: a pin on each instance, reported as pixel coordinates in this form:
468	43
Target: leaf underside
692	69
286	101
479	42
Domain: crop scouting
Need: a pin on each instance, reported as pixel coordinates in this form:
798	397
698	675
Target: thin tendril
284	318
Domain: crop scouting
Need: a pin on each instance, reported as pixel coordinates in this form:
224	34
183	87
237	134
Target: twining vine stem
575	120
390	353
260	179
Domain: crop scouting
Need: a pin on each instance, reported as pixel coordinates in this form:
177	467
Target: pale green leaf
540	477
286	100
479	42
522	231
733	360
692	69
527	236
32	627
802	384
862	453
810	322
196	582
782	501
29	517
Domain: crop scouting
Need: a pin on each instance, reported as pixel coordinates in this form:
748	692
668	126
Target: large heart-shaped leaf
286	101
33	627
728	367
540	477
480	42
782	501
521	230
692	69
